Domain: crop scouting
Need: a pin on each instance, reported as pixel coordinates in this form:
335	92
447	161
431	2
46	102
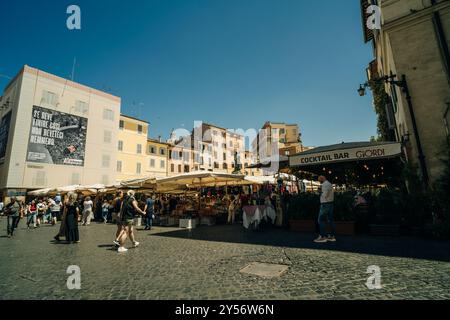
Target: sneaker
122	250
116	243
331	239
135	244
321	240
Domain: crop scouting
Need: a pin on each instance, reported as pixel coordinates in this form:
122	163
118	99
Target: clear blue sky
235	63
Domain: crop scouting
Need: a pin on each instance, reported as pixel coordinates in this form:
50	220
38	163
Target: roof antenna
73	69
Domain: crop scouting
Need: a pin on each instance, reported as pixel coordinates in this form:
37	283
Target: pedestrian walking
232	209
116	216
55	207
87	211
41	208
32	214
13	212
71	213
326	212
105	210
129	210
149	212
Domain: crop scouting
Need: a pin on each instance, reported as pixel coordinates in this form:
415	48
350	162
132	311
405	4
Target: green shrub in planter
389	207
304	206
343	207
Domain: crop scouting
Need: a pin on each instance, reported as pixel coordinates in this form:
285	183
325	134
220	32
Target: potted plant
344	214
302	212
388	209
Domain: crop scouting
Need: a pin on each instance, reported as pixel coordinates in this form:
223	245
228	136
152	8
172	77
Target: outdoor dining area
200	198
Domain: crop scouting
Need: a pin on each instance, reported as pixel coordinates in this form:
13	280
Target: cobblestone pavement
205	263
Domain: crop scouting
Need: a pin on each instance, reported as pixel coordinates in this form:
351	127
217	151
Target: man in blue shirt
149	212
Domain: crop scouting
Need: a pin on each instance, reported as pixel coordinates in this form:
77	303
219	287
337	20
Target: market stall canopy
275	163
199	179
41	192
145	182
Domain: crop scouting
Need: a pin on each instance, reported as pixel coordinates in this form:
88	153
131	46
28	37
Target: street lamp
403	85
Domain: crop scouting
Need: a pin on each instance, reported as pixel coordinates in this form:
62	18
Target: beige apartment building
132	159
414	42
55	132
276	138
217	149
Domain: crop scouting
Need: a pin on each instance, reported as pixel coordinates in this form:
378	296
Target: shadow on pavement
405	247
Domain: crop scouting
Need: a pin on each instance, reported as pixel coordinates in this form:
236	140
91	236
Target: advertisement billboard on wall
57	138
4	133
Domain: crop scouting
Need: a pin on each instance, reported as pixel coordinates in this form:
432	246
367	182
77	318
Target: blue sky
235	63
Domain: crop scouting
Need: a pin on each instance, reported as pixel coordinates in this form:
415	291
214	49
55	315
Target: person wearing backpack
129	210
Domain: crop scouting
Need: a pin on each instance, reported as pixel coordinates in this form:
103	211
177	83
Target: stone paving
172	263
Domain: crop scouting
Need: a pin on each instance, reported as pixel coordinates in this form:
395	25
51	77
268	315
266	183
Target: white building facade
55	132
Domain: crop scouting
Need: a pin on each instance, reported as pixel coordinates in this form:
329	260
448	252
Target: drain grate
265	270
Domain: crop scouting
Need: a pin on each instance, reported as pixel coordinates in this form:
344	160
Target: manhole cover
265	269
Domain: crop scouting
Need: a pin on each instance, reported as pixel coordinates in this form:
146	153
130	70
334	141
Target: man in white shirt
326	211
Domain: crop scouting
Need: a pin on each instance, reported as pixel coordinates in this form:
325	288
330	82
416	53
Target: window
287	152
49	98
105	179
139	148
140	129
81	107
75	178
282	131
40	179
106	161
108	114
119	166
152	163
120	145
121	124
138	168
152	149
215	154
224	156
162	151
172	168
162	164
225	166
186	168
179	168
107	136
216	165
231	144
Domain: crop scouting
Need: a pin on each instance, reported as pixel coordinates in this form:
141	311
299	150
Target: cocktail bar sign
346	155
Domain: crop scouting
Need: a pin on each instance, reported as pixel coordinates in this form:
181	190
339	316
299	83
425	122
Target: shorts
55	214
127	223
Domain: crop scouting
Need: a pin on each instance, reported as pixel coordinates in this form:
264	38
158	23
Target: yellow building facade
132	158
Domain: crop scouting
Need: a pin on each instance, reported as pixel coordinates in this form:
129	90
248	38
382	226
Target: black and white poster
4	133
57	138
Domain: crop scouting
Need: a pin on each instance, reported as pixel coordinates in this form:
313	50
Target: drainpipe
442	41
446	121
